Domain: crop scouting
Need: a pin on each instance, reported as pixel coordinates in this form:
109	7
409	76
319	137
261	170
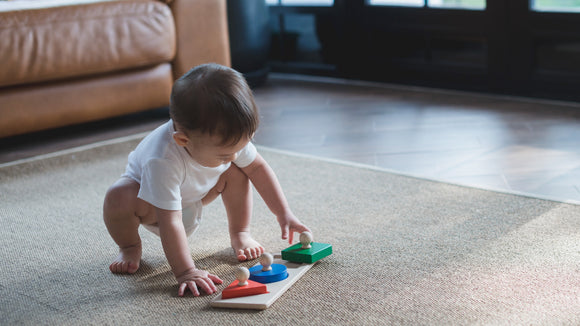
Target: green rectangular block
296	254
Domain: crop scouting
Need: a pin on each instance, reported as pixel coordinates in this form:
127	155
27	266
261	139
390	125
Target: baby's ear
180	138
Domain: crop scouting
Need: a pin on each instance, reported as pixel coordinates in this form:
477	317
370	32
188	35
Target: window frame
512	31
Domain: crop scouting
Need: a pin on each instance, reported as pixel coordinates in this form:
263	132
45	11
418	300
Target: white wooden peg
306	239
266	260
242	275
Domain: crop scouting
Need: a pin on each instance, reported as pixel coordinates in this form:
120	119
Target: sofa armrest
202	34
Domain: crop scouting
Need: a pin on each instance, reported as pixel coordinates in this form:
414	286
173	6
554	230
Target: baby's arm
265	181
176	249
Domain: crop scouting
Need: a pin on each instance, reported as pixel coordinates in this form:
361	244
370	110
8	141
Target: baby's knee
235	174
234	177
121	194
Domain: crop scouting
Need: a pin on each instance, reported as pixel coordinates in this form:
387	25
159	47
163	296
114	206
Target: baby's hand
290	224
193	278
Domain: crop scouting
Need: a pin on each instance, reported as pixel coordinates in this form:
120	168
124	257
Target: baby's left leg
234	186
123	212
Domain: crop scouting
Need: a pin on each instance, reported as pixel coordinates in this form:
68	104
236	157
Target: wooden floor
520	145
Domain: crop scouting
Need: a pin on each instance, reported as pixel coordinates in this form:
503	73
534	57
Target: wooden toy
306	251
276	289
279	274
268	272
243	287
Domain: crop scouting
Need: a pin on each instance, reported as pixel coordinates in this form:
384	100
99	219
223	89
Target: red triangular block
234	291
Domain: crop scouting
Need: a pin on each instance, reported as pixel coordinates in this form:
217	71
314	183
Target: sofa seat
55	43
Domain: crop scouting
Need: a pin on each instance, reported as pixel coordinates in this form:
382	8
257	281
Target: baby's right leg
123	212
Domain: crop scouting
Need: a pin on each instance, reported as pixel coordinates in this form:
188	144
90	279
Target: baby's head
214	100
212	105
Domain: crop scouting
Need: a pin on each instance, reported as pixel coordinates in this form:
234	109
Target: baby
185	164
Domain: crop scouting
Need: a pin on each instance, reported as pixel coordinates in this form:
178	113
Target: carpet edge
120	140
420	177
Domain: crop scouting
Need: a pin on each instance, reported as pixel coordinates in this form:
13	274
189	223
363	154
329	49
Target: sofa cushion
57	42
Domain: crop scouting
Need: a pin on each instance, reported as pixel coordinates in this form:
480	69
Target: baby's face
208	150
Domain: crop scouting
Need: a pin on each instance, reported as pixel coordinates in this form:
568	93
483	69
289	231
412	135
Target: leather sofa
66	62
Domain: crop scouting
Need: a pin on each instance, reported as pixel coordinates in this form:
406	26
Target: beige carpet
406	251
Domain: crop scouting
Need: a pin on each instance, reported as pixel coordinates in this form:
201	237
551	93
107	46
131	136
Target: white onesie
170	179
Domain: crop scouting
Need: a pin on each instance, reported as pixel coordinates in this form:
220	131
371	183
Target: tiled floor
519	145
511	144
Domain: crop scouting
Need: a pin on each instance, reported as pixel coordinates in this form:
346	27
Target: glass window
556	5
297	40
457	4
404	3
321	3
449	4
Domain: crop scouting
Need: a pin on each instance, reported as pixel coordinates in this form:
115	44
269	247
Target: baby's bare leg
123	212
234	186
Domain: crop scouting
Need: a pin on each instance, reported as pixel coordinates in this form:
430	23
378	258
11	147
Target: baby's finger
291	236
215	279
181	290
205	285
193	288
211	285
284	231
298	227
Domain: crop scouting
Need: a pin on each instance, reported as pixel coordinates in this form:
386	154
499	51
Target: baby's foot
128	260
245	247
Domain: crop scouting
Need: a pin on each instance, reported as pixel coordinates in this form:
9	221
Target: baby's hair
214	100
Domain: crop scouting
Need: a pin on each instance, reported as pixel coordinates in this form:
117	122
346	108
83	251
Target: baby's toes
252	254
116	267
122	267
241	255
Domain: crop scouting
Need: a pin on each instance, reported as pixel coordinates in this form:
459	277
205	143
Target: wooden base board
263	301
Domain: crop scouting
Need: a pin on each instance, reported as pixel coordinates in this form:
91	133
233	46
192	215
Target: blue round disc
277	273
